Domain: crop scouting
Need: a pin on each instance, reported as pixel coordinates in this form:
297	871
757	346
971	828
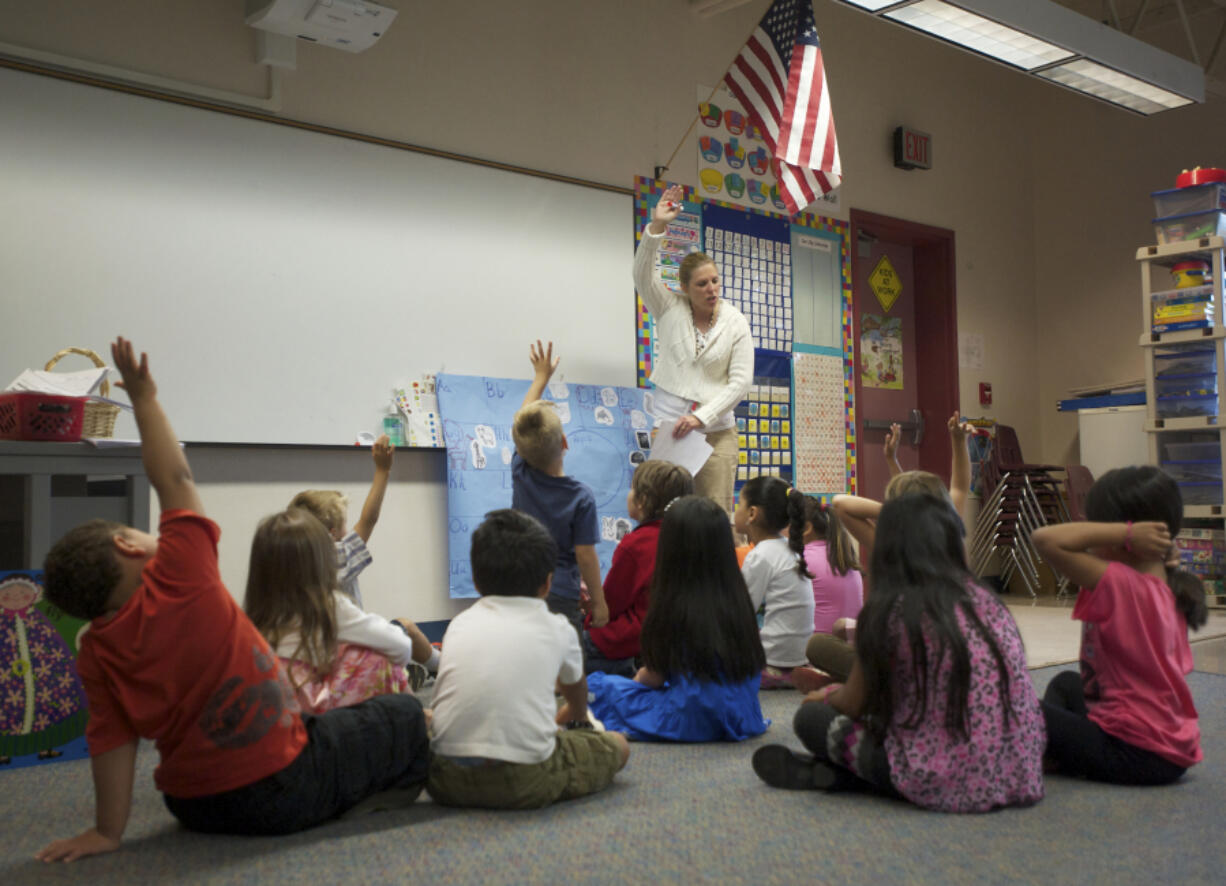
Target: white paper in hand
690	452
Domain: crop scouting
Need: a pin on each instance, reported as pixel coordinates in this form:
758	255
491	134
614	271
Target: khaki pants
717	478
832	655
583	762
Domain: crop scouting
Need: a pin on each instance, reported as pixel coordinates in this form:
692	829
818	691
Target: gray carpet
677	814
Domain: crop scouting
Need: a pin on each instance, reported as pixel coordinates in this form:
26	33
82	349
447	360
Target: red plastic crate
31	416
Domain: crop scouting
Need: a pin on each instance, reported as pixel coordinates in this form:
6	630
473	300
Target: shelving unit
1185	426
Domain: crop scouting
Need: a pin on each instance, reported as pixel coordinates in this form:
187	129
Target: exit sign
912	149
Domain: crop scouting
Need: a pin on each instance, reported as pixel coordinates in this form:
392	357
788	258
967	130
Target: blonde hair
656	483
537	432
920	482
329	506
690	264
290	581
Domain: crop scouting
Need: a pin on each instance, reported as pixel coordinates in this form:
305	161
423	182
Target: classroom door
904	335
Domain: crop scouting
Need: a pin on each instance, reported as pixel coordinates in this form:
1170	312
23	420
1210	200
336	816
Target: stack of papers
62	384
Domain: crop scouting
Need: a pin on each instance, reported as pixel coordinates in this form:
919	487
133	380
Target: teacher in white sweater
705	361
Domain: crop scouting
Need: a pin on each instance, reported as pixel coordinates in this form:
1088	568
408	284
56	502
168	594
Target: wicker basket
99	418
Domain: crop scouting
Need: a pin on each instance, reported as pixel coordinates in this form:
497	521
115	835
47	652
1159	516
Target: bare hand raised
137	380
543	361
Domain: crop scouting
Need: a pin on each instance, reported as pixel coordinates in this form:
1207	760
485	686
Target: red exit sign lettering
912	148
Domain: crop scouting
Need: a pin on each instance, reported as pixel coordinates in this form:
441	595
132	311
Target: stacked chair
1017	499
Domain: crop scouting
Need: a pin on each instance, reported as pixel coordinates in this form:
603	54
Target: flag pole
718	83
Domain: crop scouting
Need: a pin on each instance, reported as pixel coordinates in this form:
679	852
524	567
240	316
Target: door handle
915	425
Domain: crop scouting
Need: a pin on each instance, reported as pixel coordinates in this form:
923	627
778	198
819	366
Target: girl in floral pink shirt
1128	717
939	708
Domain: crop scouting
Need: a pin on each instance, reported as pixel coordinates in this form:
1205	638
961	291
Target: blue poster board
608	430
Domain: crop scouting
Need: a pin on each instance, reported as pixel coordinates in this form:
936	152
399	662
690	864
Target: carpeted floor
677	814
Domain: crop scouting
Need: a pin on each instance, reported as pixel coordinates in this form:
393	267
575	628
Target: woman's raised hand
667	208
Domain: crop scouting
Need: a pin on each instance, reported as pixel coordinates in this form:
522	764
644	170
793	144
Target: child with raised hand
565	506
496	740
330	507
653	488
858	513
171	657
777	579
1128	718
838	589
702	656
939	708
334	653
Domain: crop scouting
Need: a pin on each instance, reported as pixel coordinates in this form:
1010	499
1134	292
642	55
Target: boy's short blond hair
537	432
912	482
329	506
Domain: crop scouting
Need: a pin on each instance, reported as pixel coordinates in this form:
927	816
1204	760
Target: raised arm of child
890	448
165	464
589	570
543	365
382	454
960	470
113	773
1066	547
859	515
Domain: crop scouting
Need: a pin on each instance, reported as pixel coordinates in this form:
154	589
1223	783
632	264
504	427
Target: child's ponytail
797	511
826	523
1189	594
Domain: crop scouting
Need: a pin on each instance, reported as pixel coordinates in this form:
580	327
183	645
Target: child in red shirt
613	647
170	656
1128	718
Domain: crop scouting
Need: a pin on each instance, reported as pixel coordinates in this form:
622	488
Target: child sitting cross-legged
496	739
331	508
170	656
702	657
1128	717
566	507
939	708
778	580
334	653
613	648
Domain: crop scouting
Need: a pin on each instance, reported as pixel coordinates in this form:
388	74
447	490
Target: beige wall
604	90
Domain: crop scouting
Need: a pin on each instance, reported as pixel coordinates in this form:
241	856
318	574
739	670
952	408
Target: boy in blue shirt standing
565	506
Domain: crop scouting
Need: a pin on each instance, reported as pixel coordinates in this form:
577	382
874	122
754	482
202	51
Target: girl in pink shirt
838	589
939	708
1128	718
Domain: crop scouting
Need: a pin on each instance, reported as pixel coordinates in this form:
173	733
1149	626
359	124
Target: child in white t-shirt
497	742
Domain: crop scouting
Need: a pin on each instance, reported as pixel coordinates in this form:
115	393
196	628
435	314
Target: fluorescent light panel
1100	81
983	35
1057	44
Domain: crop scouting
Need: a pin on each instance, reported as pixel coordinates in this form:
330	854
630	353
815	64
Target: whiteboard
284	281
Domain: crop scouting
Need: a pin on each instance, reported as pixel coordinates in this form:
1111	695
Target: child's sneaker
809	679
776	678
781	767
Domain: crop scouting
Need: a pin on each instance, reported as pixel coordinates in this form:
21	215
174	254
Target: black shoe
781	767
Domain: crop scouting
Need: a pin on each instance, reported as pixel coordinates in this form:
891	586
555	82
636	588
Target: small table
38	462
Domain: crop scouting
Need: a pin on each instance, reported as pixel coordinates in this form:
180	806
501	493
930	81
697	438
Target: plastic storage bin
1190	226
1200	450
1198	198
1183	362
32	416
1201	493
1186	407
1185	386
1194	471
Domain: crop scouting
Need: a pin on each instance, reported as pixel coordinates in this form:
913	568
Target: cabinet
1185	378
55	486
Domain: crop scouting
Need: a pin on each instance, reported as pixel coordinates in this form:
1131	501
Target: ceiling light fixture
1057	44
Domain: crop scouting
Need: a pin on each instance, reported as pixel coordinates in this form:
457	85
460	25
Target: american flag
780	80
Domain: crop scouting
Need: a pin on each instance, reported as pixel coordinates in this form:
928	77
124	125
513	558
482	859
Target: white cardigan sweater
719	377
